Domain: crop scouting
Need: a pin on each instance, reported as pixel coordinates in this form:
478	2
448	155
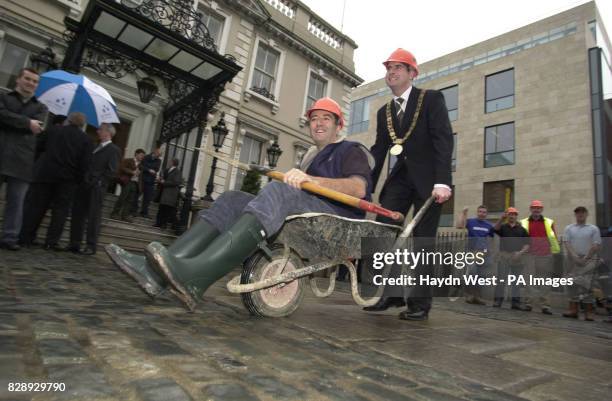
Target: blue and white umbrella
64	93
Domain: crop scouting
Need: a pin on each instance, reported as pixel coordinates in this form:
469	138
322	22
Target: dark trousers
134	204
507	265
41	197
166	215
399	194
125	202
87	208
16	190
148	190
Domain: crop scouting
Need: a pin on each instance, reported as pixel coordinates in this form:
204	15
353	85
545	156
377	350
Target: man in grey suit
89	197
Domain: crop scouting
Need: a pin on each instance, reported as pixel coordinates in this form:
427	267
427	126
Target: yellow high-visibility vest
552	239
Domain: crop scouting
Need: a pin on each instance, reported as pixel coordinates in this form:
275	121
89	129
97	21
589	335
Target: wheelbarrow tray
321	236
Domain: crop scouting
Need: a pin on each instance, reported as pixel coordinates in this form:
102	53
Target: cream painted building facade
288	56
524	121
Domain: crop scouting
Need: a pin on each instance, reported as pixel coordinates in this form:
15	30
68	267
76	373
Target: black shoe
73	248
385	303
54	247
10	246
89	251
417	315
30	244
547	311
524	308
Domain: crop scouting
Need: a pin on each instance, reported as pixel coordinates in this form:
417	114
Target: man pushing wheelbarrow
231	230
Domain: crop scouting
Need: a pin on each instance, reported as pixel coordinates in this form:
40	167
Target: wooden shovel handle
341	197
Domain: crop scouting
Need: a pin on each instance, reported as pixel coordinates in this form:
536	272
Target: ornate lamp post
147	89
219	134
273	152
45	60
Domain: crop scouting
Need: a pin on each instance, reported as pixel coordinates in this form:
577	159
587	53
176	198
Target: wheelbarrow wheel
280	300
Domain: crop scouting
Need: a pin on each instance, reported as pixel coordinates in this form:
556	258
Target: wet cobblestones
80	321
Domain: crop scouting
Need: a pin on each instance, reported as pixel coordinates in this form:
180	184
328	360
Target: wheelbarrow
274	278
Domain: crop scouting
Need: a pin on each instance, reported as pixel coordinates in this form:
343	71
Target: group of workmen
531	247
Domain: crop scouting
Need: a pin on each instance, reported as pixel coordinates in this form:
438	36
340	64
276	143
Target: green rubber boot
190	277
191	243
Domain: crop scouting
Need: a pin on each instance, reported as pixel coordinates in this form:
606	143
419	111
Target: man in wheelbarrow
231	230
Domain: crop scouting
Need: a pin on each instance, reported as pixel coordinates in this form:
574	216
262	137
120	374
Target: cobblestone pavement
80	321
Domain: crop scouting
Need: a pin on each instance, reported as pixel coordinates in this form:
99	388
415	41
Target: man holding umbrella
88	200
65	93
21	120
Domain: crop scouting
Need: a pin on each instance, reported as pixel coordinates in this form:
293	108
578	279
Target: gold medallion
396	149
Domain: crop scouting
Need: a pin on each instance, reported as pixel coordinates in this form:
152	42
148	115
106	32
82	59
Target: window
454	157
451	98
499	91
498	195
499	145
214	22
264	74
249	153
13	59
317	88
360	115
447	215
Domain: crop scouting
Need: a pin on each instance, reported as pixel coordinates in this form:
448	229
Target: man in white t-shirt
582	242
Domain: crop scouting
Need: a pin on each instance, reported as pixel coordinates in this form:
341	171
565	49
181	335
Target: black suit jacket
171	187
65	155
149	163
103	166
427	153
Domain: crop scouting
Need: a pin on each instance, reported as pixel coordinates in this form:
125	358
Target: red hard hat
403	56
327	104
512	210
536	203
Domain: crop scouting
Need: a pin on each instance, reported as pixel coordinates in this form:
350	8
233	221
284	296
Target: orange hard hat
327	104
403	56
511	210
536	203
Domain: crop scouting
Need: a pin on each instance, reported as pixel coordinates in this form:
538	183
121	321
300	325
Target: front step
130	236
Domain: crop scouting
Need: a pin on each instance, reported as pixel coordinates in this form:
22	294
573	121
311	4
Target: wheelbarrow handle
340	197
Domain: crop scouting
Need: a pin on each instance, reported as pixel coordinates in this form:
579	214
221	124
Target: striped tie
400	113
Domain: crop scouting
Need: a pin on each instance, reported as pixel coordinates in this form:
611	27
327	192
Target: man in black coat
66	152
90	195
21	120
150	166
171	187
415	130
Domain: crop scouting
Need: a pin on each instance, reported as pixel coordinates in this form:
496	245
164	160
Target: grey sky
432	28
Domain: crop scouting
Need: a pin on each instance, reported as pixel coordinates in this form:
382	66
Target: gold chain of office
397	148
